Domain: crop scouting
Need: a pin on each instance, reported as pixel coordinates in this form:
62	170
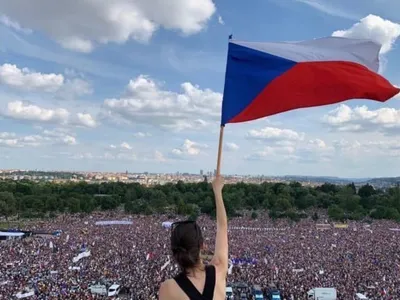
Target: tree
366	191
328	188
282	203
352	187
305	201
348	200
254	215
87	204
281	200
8	205
74	205
273	214
336	213
130	195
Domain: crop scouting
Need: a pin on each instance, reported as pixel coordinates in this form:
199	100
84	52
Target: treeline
31	199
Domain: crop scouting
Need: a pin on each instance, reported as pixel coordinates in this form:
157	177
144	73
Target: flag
165	265
264	79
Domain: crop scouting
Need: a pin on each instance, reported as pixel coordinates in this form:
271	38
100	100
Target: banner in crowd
244	260
298	270
166	224
338	225
323	226
114	222
81	255
22	295
257	228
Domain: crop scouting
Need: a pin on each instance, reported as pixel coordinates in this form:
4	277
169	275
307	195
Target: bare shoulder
165	289
169	290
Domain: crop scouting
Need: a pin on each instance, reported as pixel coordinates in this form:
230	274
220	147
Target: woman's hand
218	184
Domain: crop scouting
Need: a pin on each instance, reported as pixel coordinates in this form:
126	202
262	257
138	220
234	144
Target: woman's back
198	282
204	285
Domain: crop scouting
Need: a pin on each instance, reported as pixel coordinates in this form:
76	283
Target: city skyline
200	174
109	94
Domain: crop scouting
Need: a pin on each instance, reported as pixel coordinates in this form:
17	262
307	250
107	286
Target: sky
137	85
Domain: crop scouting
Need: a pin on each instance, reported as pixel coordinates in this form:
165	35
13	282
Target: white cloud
189	148
5	135
221	21
180	125
121	148
30	112
142	134
108	21
14	25
367	150
9	143
231	146
56	132
158	156
145	102
77	44
86	120
69	140
106	156
48	138
360	118
272	133
85	155
125	145
75	87
304	151
373	27
328	7
271	153
287	144
33	140
28	80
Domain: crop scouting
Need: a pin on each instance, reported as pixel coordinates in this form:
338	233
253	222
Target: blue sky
137	85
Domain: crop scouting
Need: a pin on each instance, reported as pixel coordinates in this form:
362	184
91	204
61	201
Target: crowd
296	257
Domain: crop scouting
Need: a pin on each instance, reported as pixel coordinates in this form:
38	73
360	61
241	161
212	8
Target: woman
198	281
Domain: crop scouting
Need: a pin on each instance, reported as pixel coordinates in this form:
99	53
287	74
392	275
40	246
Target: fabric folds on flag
264	79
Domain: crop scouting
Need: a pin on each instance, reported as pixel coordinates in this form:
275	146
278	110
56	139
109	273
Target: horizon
206	173
108	94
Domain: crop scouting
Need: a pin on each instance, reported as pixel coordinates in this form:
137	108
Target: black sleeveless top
190	290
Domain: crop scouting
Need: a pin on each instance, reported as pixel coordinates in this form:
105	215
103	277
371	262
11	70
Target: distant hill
392	180
323	179
379	182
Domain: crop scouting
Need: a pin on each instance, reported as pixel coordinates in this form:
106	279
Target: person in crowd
197	280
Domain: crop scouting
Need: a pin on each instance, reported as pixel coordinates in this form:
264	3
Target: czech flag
264	79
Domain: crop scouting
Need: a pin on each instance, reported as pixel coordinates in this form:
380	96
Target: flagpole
221	137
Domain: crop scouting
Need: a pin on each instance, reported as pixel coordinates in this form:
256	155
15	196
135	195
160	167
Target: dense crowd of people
296	257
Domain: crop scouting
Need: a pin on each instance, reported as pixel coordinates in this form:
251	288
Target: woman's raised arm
220	258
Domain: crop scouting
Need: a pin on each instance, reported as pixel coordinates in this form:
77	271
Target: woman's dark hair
186	243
